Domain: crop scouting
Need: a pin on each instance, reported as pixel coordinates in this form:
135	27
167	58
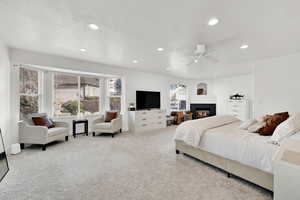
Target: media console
143	120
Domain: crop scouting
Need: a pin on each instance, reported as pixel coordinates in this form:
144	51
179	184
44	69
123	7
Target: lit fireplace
203	110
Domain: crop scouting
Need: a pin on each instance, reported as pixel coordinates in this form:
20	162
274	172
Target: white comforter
191	131
233	143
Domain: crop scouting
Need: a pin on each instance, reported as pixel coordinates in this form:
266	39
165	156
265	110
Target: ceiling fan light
213	21
244	46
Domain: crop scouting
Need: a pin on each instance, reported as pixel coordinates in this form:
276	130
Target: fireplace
203	110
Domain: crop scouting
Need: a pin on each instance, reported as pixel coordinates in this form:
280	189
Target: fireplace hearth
203	110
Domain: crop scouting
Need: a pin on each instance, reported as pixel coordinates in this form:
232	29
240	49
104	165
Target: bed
238	152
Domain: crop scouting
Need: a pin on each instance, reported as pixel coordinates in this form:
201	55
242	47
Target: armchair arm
32	132
116	124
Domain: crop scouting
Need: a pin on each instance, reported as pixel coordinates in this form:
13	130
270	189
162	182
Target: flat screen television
147	100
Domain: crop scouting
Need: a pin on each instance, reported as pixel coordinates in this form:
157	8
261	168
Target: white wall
224	87
5	118
277	85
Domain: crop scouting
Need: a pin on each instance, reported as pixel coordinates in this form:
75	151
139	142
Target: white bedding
233	143
191	131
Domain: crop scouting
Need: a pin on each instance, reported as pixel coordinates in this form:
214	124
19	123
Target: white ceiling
134	29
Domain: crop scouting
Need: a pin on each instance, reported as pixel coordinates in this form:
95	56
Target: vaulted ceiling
134	29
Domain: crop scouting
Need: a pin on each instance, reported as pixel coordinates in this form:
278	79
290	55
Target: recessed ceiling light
135	61
160	49
93	26
83	50
244	46
213	21
195	60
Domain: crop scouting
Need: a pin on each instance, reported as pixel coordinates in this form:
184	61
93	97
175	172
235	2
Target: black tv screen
147	100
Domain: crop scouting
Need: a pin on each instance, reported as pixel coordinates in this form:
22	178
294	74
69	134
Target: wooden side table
85	122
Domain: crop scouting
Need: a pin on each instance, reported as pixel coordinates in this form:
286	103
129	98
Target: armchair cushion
104	125
56	131
110	116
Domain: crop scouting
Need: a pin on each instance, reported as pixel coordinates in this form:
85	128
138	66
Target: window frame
108	94
39	94
178	103
78	96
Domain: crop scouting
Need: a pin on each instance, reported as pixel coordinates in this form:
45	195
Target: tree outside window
114	89
29	92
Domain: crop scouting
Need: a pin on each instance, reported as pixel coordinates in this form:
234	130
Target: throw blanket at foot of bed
191	132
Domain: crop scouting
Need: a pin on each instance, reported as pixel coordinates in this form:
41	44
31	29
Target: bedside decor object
85	123
3	159
202	89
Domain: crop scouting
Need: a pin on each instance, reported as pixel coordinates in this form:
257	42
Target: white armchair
31	134
100	126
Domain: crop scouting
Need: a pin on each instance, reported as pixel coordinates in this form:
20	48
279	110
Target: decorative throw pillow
255	127
39	121
286	129
246	124
110	116
43	121
271	122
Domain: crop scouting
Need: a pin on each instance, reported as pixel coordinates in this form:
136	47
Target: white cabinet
239	109
147	120
287	171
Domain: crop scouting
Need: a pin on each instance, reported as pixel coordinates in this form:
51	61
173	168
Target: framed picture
3	159
202	89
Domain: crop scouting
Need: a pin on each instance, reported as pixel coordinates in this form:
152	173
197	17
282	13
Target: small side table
85	122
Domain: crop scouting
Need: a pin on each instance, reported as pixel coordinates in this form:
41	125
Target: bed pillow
271	122
246	124
286	129
254	128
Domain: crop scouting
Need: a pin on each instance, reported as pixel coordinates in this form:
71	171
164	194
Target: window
178	97
68	102
66	95
89	95
114	90
29	91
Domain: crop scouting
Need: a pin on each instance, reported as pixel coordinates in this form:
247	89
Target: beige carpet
138	166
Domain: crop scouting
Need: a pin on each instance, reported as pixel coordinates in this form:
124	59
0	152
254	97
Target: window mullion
78	97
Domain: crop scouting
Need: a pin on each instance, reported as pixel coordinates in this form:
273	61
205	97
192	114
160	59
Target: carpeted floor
139	166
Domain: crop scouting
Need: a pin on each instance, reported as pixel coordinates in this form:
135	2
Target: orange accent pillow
271	122
43	121
110	116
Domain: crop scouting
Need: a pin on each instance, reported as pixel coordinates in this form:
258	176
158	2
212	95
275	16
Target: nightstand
287	171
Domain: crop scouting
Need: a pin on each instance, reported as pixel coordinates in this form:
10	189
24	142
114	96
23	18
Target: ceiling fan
201	53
